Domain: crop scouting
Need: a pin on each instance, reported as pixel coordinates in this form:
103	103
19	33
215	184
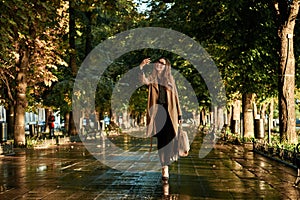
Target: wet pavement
71	172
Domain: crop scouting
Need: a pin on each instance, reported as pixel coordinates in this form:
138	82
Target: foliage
239	36
95	22
35	27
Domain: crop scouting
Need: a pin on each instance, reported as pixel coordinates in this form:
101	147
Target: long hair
167	78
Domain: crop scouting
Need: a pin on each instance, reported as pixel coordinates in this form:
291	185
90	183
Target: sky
142	5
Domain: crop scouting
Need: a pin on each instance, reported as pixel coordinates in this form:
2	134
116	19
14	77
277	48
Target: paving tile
72	171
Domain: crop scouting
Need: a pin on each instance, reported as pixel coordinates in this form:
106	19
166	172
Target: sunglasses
162	63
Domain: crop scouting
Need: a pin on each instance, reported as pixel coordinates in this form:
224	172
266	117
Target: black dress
164	127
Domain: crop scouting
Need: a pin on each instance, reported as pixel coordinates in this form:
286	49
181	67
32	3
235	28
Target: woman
163	111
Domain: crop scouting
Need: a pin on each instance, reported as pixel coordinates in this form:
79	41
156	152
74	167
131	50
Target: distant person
163	111
92	120
106	121
297	181
51	120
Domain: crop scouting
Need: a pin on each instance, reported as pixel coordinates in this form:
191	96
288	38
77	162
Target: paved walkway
71	172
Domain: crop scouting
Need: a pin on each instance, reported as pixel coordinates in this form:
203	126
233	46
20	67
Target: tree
91	22
287	12
239	37
32	49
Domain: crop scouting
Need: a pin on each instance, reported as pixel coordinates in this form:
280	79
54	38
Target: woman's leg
165	142
165	154
165	171
164	157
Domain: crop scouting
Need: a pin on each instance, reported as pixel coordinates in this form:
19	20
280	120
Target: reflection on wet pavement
71	172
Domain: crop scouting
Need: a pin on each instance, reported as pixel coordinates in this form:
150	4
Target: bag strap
180	127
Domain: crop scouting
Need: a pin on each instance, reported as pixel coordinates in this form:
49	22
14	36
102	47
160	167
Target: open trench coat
174	109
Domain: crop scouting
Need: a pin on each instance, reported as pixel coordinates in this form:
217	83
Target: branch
293	10
276	6
3	77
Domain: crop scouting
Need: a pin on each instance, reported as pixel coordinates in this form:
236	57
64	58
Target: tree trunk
67	121
229	116
255	112
88	33
21	101
212	119
125	119
271	114
287	12
47	128
10	121
203	117
196	117
215	120
248	122
220	119
72	35
72	127
72	62
236	112
263	112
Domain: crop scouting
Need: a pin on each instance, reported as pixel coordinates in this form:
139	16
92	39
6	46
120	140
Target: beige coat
173	106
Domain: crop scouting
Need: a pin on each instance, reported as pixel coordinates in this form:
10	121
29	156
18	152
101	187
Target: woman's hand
146	61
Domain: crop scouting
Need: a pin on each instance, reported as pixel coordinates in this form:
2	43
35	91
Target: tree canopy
43	44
